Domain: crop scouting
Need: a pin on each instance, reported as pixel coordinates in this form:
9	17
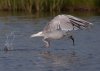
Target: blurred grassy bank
49	5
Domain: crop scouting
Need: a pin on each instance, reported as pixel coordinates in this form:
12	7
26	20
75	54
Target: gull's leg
6	48
72	38
47	42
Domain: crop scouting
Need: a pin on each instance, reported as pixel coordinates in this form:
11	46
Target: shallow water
29	54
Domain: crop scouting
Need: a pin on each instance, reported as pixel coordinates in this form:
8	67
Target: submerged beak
37	34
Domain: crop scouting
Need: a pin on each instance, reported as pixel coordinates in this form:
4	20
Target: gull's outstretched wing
79	23
67	23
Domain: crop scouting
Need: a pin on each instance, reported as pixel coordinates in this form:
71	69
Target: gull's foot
72	38
46	46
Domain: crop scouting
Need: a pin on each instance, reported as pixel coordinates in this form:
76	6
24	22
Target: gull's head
39	34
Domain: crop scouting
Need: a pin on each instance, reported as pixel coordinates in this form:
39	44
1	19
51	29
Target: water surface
29	54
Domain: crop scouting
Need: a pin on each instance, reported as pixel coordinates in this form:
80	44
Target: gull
61	26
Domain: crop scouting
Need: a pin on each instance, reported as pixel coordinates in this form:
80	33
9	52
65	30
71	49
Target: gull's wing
67	23
80	23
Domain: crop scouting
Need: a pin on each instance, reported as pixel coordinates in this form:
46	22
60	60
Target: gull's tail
39	34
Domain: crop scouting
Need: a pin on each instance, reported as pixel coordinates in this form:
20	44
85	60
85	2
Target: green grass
49	5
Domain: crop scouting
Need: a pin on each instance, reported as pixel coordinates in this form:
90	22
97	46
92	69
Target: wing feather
66	23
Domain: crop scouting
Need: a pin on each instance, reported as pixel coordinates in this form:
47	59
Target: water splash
9	41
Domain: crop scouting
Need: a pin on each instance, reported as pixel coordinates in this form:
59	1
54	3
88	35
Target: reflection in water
59	60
